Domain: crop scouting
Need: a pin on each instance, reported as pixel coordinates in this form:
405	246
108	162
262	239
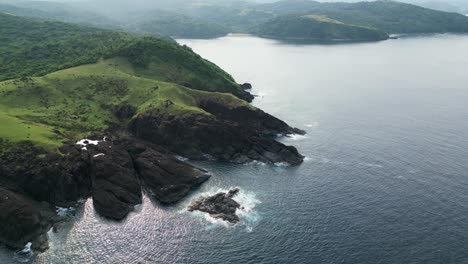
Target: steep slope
316	28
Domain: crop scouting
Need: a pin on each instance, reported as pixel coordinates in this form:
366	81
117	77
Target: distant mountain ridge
213	18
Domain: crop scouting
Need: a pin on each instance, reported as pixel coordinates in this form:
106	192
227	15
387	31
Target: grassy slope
35	48
78	101
317	28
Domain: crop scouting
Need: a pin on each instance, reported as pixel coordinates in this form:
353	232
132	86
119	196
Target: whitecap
282	164
371	165
66	212
181	158
98	155
293	137
312	125
25	254
255	163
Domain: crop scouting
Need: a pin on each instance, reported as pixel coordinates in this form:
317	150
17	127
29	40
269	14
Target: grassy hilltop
63	81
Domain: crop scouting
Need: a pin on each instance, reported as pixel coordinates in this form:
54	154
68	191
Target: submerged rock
219	206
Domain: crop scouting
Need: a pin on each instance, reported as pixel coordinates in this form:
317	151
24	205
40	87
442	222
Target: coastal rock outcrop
167	178
240	134
116	189
23	220
111	171
219	206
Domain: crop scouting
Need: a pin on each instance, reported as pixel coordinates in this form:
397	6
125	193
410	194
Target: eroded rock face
219	206
168	178
116	189
237	135
23	220
46	176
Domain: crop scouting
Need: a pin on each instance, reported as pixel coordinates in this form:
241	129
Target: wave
294	137
24	255
323	160
248	214
312	125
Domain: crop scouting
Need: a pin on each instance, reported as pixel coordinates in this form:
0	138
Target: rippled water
385	179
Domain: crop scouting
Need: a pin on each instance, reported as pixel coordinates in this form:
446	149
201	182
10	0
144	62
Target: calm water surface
386	175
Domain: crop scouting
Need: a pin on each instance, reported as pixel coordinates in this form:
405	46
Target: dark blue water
385	181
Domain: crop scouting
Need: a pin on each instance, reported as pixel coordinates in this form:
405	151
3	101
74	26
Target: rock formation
219	206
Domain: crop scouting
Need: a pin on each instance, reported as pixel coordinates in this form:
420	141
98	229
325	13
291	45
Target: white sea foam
24	255
181	158
295	137
66	212
312	124
371	165
282	164
249	216
98	155
255	163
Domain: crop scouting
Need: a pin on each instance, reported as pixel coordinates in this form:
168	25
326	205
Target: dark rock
252	118
244	95
237	135
124	111
45	176
116	189
23	220
168	178
219	206
246	86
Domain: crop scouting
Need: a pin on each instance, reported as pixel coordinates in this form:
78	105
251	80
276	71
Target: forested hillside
317	28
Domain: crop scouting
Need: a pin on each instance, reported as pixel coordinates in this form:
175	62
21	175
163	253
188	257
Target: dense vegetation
389	16
181	26
317	28
159	23
45	99
33	48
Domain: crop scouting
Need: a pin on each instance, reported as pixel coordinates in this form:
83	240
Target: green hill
34	48
317	28
160	23
388	16
63	81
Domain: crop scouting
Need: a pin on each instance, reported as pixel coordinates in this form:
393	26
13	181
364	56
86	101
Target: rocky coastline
140	156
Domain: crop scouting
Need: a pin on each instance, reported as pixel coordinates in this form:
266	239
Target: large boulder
219	206
168	178
116	189
23	220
